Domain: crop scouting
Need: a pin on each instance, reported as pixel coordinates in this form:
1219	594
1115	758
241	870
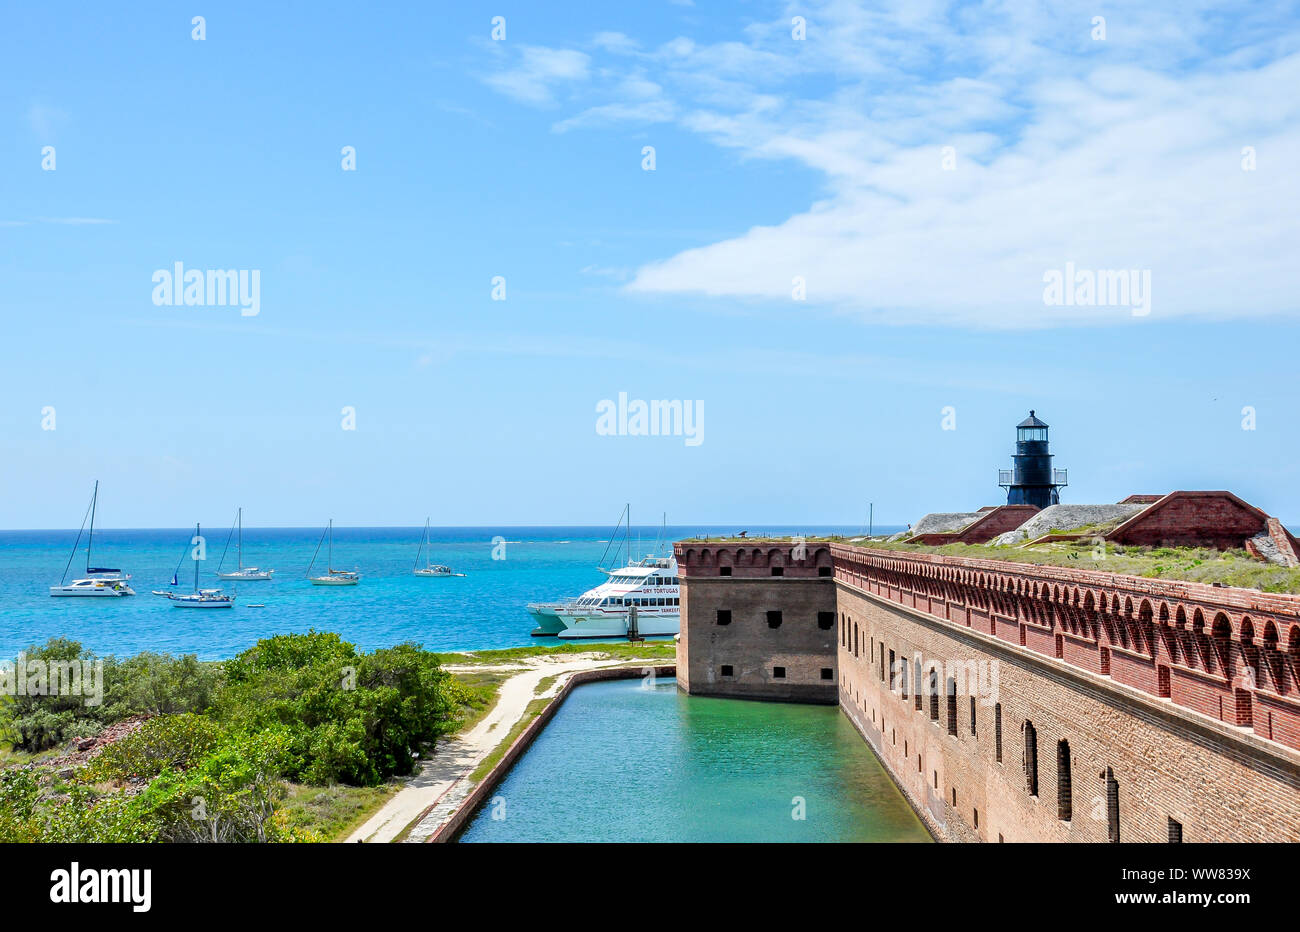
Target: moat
624	761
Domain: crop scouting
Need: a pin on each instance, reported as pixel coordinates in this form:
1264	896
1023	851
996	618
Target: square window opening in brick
774	618
778	673
826	620
825	571
724	616
726	669
828	673
1175	832
724	571
778	571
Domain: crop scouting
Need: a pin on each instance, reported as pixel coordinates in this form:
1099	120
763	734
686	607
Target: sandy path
442	778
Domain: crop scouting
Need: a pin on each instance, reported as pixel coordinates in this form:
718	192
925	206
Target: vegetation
220	741
147	684
534	709
330	813
664	649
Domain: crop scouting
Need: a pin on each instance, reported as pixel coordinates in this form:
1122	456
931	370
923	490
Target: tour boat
332	576
430	569
100	581
548	622
199	598
243	572
650	585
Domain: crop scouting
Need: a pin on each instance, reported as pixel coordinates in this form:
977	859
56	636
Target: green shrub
168	742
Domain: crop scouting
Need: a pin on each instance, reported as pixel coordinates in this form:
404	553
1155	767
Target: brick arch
1221	641
1168	635
706	558
1251	653
1201	641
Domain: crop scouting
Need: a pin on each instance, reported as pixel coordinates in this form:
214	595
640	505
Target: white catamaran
243	572
430	569
99	581
332	576
199	598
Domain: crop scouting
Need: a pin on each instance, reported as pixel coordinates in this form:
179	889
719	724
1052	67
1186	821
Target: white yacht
199	598
650	585
96	586
242	572
99	582
430	569
332	576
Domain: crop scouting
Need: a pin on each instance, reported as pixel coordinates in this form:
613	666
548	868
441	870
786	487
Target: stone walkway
443	781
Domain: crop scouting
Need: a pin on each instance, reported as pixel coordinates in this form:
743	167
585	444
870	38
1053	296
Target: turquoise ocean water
623	762
485	609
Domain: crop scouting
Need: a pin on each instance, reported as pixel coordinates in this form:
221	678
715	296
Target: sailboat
430	569
100	581
244	572
332	576
199	598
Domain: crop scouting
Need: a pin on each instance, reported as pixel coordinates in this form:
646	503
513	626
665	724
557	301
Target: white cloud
538	71
1122	154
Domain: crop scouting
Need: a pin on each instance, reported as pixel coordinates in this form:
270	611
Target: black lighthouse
1032	480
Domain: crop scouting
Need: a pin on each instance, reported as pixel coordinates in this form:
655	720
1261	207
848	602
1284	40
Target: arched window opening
1031	758
1064	794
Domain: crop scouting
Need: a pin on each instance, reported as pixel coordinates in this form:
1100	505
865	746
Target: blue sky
775	158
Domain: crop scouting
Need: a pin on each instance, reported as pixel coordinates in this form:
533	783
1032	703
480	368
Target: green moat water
621	761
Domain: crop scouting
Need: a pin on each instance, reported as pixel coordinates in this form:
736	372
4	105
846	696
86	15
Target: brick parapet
1230	654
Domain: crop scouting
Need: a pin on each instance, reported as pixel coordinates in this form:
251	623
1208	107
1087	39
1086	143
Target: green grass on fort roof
1187	564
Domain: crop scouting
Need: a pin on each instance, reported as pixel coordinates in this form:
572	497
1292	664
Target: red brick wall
1216	780
1188	694
1125	627
998	521
1204	519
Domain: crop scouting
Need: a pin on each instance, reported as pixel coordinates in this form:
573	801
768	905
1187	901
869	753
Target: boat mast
239	516
94	497
196	560
329	562
315	554
423	538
